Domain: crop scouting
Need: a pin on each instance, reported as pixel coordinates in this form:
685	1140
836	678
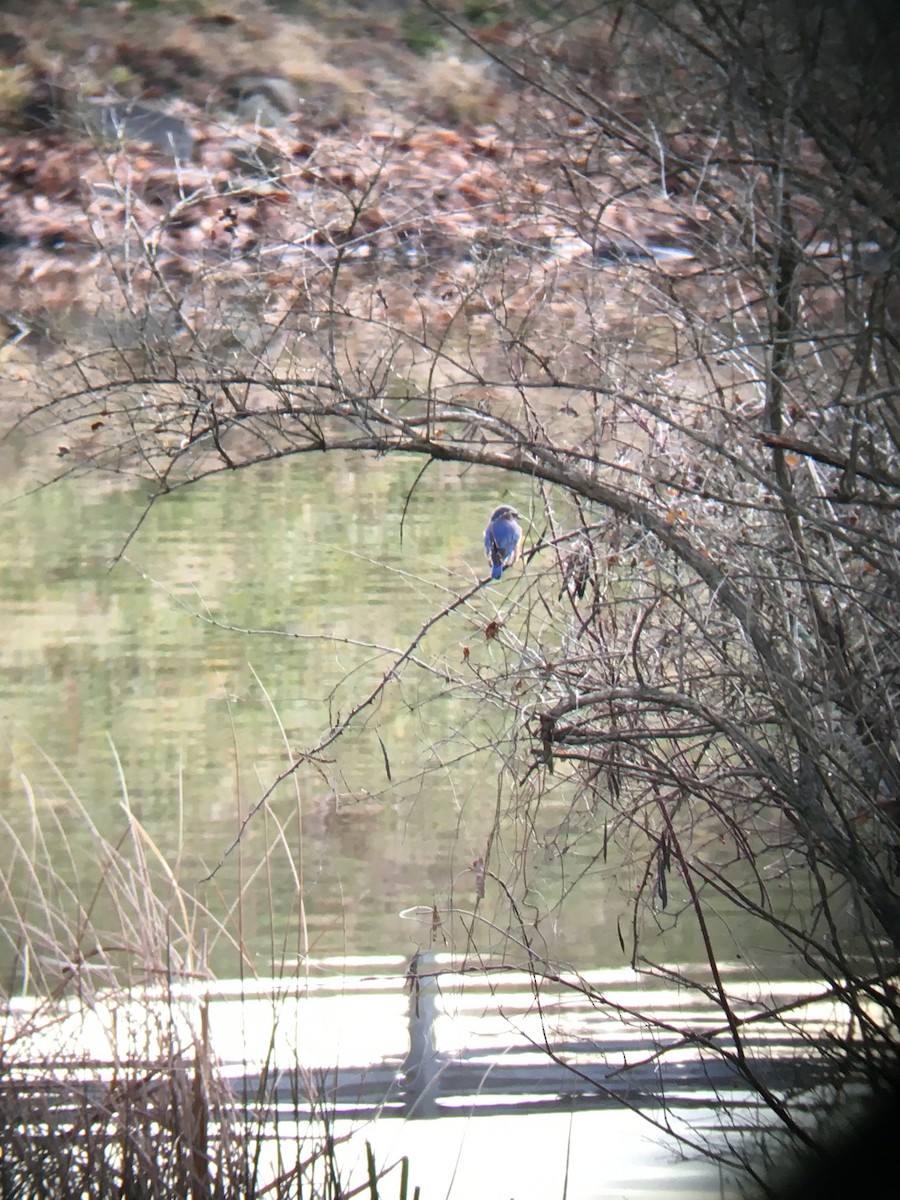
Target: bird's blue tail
496	570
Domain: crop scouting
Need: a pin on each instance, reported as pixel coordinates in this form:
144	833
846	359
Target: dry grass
109	1084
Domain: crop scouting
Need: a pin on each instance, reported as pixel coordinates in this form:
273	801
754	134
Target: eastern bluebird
501	539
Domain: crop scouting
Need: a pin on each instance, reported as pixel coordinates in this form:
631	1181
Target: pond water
248	613
246	617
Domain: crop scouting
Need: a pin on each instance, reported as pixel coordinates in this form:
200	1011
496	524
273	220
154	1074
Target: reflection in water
151	664
251	614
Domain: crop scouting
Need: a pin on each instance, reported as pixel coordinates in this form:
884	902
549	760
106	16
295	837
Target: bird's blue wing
506	535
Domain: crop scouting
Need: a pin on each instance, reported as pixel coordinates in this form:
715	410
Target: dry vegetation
372	150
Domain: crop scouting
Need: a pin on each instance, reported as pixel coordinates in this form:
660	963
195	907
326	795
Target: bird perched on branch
502	538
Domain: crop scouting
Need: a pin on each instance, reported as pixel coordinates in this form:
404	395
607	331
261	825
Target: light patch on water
579	1156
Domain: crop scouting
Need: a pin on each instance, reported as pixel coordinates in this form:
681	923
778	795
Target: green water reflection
150	664
147	674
